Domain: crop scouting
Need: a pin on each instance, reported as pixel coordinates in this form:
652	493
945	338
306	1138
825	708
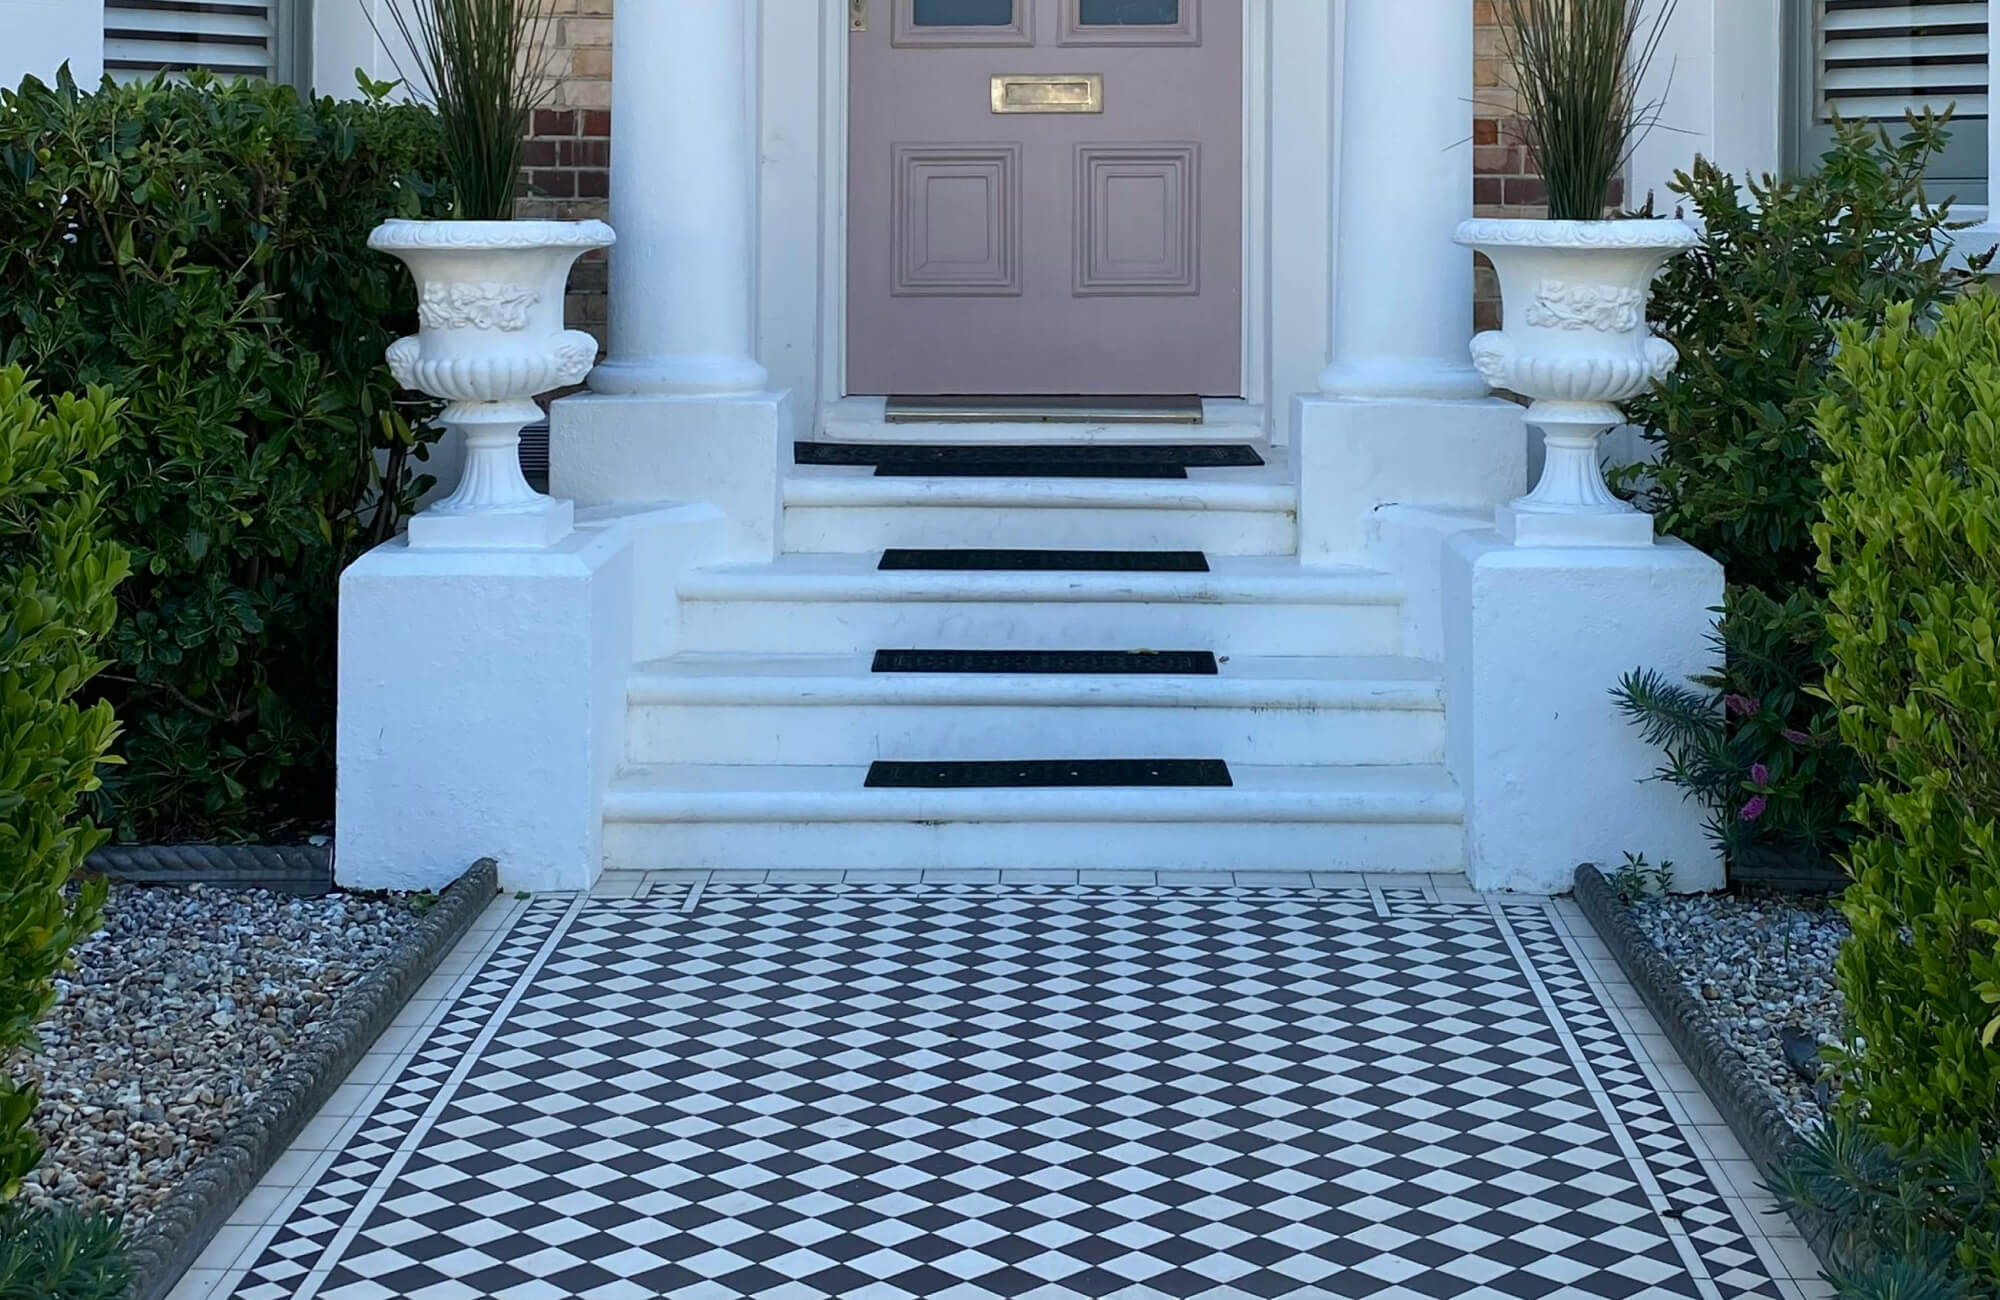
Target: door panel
1046	197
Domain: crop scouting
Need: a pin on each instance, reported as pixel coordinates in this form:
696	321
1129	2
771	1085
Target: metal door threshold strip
1155	663
1041	408
1001	460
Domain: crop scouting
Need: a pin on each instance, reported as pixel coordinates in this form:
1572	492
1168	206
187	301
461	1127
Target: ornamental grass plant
1579	71
485	67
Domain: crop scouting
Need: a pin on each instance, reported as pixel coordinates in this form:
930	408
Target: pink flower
1741	706
1755	808
1759	774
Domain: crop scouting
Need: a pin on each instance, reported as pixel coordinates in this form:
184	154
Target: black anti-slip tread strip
1003	561
1029	460
1157	663
1078	773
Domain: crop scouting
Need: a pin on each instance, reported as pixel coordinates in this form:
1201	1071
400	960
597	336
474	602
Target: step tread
1275	579
835	793
1264	488
1246	681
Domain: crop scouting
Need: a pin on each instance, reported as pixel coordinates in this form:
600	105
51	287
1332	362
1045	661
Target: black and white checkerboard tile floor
961	1091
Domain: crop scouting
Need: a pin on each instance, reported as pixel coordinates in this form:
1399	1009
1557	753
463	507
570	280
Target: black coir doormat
1001	561
1050	773
1028	460
1159	663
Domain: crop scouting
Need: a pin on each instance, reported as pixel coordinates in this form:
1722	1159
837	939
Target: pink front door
1045	196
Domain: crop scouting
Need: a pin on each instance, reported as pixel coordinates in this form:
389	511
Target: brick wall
1503	182
569	153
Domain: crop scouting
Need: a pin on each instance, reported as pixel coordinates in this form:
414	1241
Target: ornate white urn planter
1575	342
491	337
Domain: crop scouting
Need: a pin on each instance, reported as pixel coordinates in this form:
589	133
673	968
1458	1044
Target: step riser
1177	846
806	735
854	627
825	529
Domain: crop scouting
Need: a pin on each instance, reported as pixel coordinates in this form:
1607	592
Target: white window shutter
232	38
1878	59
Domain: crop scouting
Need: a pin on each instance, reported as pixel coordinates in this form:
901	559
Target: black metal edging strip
1751	1112
182	1227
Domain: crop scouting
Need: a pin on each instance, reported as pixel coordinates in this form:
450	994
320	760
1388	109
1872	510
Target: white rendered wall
343	40
43	34
1722	71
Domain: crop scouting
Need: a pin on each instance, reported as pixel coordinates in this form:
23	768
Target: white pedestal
1535	638
649	448
1357	454
482	697
1548	528
538	526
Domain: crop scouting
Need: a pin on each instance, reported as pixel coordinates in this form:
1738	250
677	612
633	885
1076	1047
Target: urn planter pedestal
1575	342
490	298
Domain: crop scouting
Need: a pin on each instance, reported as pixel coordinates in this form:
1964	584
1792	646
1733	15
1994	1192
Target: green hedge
1910	547
1755	311
57	575
201	250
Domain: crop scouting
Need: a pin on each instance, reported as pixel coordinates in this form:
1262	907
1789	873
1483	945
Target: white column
1402	297
682	201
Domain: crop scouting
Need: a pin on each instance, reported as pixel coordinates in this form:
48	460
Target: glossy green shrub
201	250
57	575
1910	550
1755	310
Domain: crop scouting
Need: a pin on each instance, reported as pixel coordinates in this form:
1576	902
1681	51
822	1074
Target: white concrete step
796	709
1405	818
1247	511
843	604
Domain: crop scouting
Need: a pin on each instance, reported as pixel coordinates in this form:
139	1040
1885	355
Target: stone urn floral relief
490	298
1575	342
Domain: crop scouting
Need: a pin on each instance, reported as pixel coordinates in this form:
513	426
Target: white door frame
802	201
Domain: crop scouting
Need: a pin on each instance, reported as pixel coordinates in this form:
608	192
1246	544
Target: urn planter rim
1653	233
401	233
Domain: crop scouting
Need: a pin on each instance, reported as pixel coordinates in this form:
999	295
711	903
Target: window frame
1964	171
291	41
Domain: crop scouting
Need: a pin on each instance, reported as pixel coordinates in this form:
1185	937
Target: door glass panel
963	13
1128	13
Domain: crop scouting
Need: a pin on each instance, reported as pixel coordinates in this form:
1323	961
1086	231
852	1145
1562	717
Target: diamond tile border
1718	1253
176	1233
1744	1102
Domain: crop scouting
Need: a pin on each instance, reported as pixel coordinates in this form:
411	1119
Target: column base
1525	527
542	524
648	448
1535	638
1355	455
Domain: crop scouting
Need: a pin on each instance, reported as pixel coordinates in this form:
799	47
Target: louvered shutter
232	38
1880	59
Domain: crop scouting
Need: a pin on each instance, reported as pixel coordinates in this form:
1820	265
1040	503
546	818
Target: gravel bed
1763	966
177	1012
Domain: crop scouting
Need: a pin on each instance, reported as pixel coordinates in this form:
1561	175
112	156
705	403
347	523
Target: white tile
199	1284
1339	880
265	1204
1274	879
886	875
1116	876
226	1247
960	876
804	876
1037	876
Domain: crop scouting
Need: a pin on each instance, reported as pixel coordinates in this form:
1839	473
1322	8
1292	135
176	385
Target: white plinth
1523	527
1535	638
732	451
482	697
538	526
1358	454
